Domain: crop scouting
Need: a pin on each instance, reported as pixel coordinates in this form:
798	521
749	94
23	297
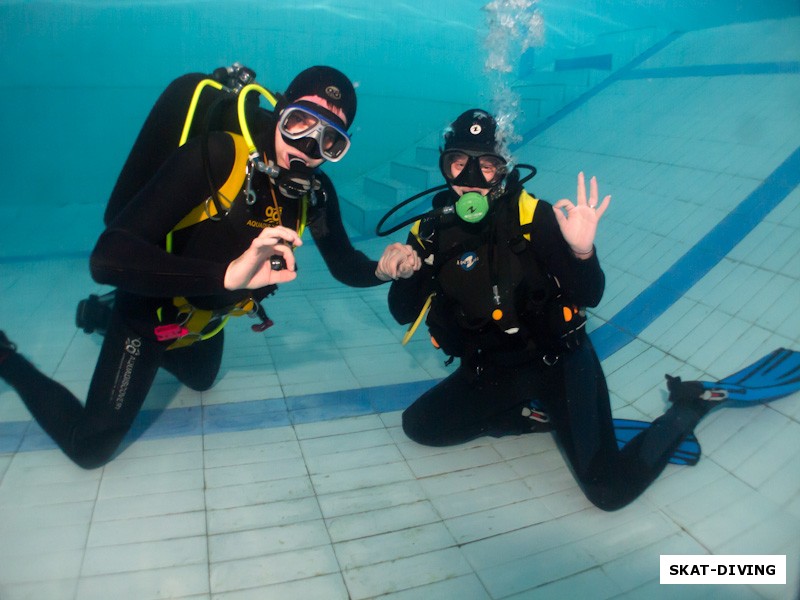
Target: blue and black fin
773	376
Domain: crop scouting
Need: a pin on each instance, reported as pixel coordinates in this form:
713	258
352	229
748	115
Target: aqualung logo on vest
273	215
467	261
272	218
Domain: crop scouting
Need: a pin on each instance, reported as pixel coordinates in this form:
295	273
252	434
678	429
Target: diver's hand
578	222
398	261
252	270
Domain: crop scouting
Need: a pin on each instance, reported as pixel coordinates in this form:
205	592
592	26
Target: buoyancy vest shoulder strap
527	206
227	192
416	233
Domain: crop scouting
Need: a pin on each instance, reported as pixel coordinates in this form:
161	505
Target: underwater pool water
292	477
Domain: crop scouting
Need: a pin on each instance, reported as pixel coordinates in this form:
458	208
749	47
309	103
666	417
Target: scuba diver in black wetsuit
506	277
200	233
305	195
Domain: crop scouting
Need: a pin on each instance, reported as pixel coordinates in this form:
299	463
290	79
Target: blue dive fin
775	375
687	453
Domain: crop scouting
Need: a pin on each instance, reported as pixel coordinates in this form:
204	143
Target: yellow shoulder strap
527	206
415	232
227	192
244	144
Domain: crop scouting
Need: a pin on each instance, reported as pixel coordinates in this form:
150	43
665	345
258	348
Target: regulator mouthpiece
472	207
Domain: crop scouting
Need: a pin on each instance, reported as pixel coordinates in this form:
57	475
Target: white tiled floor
287	480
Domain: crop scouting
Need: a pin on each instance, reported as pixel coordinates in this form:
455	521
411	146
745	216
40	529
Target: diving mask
472	169
315	135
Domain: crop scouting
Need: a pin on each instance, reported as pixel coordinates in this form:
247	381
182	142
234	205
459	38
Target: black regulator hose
405	202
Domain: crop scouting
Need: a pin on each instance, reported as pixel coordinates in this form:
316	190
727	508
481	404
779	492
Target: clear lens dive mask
330	141
472	169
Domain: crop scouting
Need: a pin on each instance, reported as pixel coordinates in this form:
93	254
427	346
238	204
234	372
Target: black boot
94	313
694	395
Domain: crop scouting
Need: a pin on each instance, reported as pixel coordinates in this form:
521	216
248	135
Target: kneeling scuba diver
228	101
171	239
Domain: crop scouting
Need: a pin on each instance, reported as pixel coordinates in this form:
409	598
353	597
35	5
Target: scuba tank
191	105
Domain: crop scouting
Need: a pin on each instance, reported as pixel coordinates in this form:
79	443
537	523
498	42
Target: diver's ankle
694	395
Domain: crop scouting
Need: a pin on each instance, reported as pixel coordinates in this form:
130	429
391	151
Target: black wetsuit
501	373
148	201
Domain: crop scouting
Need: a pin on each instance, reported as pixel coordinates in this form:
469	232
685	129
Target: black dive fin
687	453
773	376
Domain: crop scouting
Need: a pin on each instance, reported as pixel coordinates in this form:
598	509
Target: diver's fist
398	261
254	268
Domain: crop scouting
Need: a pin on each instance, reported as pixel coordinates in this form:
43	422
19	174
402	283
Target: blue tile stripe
25	436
